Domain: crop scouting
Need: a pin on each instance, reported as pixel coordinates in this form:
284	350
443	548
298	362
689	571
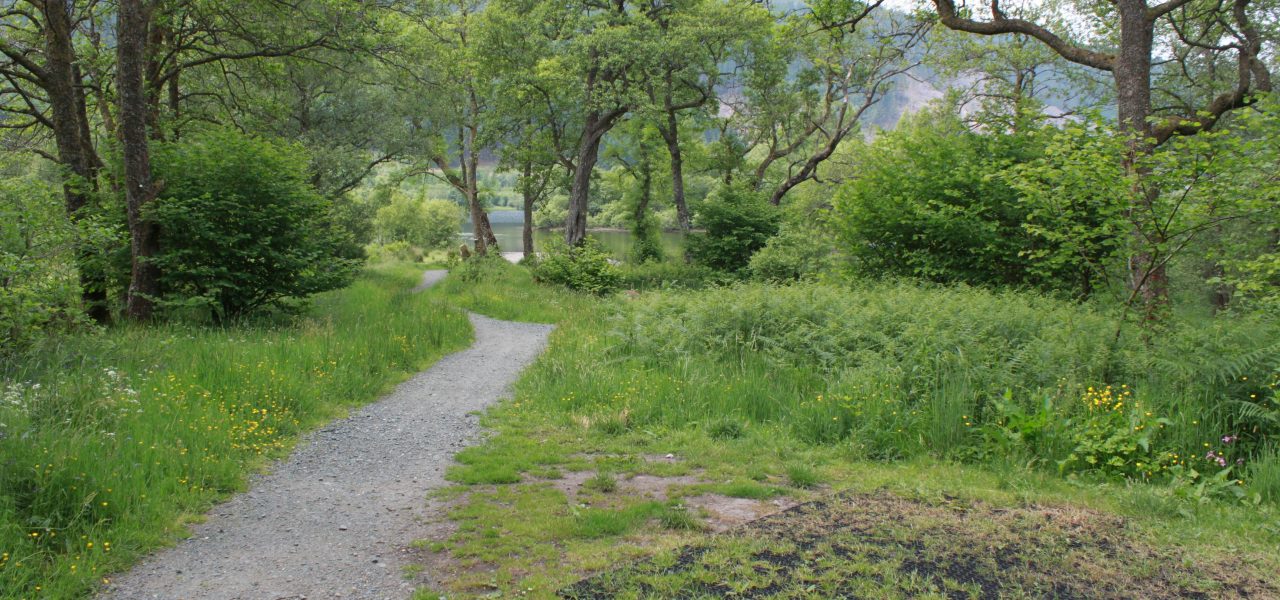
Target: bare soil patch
884	546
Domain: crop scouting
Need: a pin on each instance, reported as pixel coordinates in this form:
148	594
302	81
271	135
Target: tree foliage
424	222
241	227
938	201
737	221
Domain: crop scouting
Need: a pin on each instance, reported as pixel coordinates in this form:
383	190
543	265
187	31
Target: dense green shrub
484	267
423	222
791	255
585	267
395	251
241	228
737	221
931	201
647	246
38	282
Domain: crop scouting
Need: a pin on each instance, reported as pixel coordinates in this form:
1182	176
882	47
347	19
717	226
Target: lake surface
508	226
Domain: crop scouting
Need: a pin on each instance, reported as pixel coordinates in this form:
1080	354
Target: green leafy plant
38	286
791	255
669	275
1190	486
241	227
586	267
1012	430
647	246
1114	437
478	268
737	221
422	222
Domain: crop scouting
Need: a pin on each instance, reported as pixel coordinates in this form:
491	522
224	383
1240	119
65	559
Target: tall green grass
108	441
898	370
496	288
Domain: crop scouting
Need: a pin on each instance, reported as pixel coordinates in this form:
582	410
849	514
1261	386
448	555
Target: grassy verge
654	421
110	442
495	288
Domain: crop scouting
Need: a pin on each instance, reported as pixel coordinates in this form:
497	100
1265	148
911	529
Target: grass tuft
749	490
726	429
678	517
601	482
803	477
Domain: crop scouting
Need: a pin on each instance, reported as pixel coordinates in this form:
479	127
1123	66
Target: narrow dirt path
331	520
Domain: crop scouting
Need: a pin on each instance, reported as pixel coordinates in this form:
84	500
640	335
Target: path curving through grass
331	521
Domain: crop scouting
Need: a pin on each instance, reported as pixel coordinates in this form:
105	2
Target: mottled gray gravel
332	520
430	278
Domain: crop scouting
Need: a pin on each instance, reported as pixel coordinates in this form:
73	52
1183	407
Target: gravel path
430	278
331	520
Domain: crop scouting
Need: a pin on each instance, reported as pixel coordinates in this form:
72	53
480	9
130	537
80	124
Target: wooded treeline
211	155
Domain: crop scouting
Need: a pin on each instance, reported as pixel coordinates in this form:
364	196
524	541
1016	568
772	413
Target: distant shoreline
467	226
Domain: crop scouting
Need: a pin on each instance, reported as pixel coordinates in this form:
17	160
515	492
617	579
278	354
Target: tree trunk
646	191
175	106
575	227
480	226
144	284
1148	278
671	135
471	163
74	142
529	200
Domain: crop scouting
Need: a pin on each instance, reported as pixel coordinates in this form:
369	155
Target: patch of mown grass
591	523
502	463
109	441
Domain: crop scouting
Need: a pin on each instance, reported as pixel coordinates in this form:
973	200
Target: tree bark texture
596	125
131	50
671	135
64	89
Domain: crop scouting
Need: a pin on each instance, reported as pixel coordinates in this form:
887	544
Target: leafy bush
737	221
486	267
647	246
39	290
936	201
791	255
585	267
395	251
422	222
241	228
